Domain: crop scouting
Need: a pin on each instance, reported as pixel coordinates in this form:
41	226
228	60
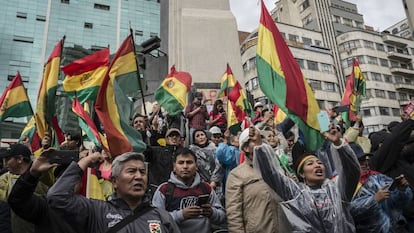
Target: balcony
399	56
402	71
403	102
405	87
394	40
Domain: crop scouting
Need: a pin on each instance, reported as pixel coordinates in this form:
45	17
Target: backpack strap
169	194
129	219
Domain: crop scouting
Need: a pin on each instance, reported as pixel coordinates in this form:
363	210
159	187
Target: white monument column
202	39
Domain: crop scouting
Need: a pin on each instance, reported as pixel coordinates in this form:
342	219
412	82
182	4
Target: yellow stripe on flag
123	65
268	51
177	89
88	79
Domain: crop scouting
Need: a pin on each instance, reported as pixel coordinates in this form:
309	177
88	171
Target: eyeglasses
217	135
174	136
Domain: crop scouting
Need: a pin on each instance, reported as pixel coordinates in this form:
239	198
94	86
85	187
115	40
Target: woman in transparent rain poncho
316	204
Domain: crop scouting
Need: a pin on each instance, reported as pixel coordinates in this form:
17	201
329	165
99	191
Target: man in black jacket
34	208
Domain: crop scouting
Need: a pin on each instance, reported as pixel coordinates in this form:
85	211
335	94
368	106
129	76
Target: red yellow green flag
29	134
14	101
282	81
355	88
114	108
84	76
227	82
45	108
278	114
88	126
172	93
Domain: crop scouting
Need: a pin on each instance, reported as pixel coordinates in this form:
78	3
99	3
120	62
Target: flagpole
139	77
227	95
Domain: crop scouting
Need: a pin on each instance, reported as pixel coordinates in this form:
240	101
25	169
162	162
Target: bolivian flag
355	88
112	105
172	93
14	102
29	131
88	126
227	82
45	108
282	81
84	76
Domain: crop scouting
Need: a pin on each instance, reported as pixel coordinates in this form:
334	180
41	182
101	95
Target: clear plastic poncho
322	210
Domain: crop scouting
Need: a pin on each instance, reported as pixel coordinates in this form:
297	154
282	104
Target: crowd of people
260	179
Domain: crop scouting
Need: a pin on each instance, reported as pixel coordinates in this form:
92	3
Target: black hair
183	151
217	103
288	134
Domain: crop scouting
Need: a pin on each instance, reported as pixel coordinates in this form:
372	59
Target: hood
178	183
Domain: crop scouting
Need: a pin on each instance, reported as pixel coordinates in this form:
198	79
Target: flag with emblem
282	81
84	76
173	91
227	82
14	101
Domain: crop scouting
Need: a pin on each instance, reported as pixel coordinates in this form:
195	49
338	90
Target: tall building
400	29
329	17
30	29
385	58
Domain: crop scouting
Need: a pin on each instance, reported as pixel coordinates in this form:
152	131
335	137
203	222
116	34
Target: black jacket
34	208
160	165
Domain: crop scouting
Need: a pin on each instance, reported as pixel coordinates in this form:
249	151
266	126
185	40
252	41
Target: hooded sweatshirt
185	196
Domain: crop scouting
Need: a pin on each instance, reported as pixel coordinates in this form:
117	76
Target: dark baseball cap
15	150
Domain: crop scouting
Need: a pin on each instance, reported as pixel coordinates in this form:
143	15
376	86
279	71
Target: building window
403	96
301	63
326	68
330	86
384	111
307	20
101	7
21	15
307	41
315	84
395	112
379	93
64	1
312	65
398	79
304	5
139	33
88	25
293	37
369	44
372	60
97	48
255	84
283	35
383	62
387	78
41	18
24	78
23	39
318	43
392	95
394	31
321	104
403	26
376	76
366	112
380	47
347	22
390	48
336	19
361	59
368	93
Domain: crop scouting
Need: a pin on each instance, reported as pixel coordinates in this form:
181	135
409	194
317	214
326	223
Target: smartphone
203	199
394	184
324	121
342	108
63	156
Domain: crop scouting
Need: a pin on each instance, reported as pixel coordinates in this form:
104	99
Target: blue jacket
229	157
380	217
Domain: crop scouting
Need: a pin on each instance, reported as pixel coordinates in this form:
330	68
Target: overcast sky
379	14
